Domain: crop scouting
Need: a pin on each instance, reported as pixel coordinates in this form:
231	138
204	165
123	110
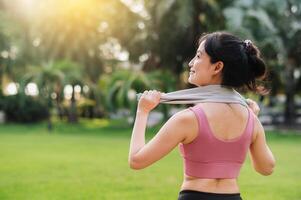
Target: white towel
209	93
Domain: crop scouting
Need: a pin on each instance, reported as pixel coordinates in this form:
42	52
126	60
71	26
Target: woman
213	137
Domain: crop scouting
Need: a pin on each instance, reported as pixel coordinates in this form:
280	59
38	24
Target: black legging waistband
198	195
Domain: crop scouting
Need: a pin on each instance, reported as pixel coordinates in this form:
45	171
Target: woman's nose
190	64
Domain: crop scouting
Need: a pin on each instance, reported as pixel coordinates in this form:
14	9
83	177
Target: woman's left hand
149	100
254	106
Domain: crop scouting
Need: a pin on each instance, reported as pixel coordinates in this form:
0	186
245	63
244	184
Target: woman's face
202	71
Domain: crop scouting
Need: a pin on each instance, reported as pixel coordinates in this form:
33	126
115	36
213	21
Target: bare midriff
210	185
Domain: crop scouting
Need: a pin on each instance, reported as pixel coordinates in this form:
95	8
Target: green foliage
79	42
25	109
274	25
175	26
116	86
120	84
72	71
1	100
85	107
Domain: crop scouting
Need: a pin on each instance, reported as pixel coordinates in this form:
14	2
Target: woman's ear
218	67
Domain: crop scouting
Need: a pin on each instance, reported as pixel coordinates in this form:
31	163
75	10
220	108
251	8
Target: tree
78	31
8	49
174	28
73	75
121	87
48	78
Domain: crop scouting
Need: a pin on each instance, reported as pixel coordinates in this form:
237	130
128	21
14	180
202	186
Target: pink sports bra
209	157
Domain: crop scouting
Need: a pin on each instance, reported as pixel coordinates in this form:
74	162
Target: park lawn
89	161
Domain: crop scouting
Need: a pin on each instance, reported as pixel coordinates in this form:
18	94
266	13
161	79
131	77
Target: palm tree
174	29
122	86
73	75
51	79
48	78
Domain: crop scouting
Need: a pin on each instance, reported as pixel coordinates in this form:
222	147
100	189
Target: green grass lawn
89	161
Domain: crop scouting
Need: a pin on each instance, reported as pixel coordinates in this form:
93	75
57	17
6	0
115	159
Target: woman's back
227	123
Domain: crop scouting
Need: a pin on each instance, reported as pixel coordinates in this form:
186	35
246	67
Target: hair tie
248	46
248	43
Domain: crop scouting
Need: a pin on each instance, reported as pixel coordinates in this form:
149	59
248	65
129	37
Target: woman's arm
138	133
262	157
173	132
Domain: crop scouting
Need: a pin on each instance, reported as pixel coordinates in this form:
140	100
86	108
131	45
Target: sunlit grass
89	161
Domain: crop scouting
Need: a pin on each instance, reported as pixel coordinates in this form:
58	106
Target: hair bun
257	66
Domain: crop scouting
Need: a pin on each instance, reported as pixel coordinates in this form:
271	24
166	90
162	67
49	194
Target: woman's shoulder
187	123
184	114
184	118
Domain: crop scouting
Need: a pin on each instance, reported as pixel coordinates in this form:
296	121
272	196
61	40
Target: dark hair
243	64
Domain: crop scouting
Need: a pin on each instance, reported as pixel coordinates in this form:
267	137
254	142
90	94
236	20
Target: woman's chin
190	81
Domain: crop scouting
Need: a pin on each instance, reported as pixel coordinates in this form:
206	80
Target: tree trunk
59	108
290	89
49	122
72	118
1	88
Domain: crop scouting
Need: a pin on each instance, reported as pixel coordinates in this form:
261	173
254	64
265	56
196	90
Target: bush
22	108
85	107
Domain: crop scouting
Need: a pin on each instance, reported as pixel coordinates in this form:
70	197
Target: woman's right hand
149	100
254	106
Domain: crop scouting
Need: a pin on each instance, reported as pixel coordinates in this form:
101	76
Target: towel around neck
209	93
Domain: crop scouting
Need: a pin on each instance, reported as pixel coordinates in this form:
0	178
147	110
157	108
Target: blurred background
70	71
